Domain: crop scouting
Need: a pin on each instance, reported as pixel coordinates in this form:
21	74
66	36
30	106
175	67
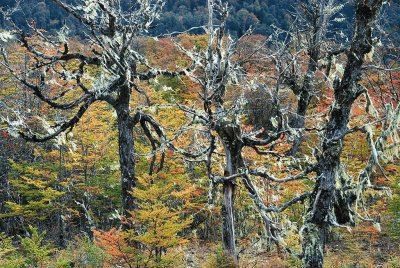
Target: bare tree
332	202
218	69
308	39
69	81
333	196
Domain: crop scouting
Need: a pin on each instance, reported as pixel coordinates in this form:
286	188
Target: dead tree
110	72
331	200
308	37
217	69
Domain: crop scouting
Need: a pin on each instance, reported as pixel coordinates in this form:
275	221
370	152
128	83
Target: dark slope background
180	15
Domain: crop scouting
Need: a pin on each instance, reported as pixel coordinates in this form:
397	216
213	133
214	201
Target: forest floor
346	250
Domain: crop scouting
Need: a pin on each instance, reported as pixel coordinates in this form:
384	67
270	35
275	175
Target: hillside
181	15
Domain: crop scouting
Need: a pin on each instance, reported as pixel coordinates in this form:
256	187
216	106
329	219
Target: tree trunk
298	122
234	161
126	155
313	240
228	229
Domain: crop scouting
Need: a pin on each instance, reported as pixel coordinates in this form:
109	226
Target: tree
336	194
330	204
219	68
160	221
217	72
309	36
37	193
69	82
33	252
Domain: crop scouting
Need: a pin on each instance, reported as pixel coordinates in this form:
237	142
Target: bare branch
63	127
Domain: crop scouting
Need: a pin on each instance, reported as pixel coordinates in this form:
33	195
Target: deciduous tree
68	81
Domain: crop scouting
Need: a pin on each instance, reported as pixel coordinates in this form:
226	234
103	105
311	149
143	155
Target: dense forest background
181	15
154	111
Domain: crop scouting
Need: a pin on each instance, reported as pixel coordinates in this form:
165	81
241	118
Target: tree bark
234	162
126	151
313	239
228	230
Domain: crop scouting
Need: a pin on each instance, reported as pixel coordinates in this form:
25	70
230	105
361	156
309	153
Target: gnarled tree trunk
228	219
234	162
322	213
126	150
